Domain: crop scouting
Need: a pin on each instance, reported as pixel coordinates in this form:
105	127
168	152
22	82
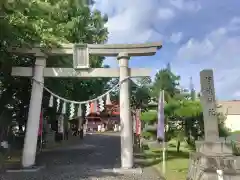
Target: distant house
231	109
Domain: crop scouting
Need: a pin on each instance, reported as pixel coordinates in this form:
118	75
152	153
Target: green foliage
165	80
234	138
148	134
149	116
235	148
189	109
140	92
223	130
47	23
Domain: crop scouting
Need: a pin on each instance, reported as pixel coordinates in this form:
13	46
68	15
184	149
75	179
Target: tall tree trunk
178	145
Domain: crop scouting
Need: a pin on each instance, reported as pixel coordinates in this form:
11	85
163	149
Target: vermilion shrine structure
110	115
81	69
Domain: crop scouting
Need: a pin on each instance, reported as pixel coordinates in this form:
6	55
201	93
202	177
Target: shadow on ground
95	151
93	157
61	175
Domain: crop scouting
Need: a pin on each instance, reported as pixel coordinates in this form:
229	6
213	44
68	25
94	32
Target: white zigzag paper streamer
51	101
64	108
79	113
101	104
58	104
108	99
88	109
72	110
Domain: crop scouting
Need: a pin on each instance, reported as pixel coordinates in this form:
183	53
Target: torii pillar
125	113
81	61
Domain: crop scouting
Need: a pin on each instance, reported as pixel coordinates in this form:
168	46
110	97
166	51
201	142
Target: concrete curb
34	169
128	171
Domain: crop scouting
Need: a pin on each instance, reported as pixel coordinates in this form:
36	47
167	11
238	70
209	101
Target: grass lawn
176	162
176	166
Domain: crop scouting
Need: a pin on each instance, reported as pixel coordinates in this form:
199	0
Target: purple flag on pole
160	125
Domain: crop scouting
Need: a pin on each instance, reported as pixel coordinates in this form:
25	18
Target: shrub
236	149
149	117
149	135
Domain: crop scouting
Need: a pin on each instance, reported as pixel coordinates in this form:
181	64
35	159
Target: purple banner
161	125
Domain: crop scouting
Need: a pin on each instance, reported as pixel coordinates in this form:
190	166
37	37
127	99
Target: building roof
229	107
114	108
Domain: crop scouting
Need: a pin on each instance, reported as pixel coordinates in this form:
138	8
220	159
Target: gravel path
86	160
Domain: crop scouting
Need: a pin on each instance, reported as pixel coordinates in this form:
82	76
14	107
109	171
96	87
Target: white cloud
176	37
154	20
219	50
237	94
218	46
165	13
134	23
194	49
186	5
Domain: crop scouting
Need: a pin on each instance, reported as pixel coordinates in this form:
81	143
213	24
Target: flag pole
161	128
164	145
164	158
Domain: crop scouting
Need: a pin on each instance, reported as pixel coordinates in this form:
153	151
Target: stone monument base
213	161
219	147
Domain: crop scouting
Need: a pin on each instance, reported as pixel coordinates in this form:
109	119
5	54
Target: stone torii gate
81	69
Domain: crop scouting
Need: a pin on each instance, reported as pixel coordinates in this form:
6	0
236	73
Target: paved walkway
84	161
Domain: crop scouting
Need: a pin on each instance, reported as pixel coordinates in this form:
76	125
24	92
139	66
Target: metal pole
164	144
164	157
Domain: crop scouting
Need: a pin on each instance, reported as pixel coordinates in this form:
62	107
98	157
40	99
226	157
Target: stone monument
213	159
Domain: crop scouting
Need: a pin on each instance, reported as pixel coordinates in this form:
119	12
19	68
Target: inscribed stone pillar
213	159
125	114
31	137
209	106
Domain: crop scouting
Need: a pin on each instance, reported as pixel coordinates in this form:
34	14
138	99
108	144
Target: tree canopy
166	80
47	23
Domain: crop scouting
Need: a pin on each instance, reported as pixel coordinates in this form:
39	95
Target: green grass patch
176	162
176	165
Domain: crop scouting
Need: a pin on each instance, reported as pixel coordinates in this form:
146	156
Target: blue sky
196	34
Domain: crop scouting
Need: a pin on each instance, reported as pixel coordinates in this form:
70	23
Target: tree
188	114
140	93
24	23
165	80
